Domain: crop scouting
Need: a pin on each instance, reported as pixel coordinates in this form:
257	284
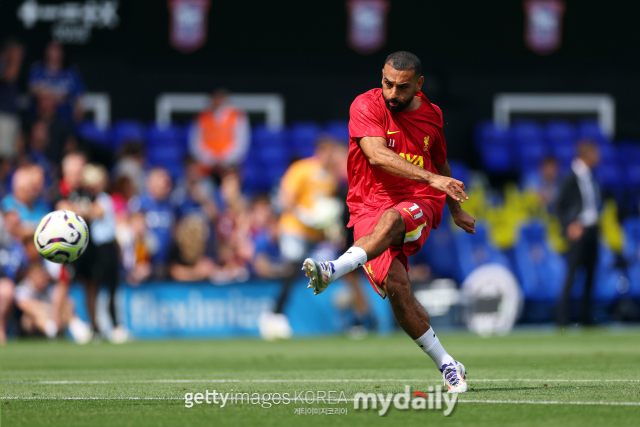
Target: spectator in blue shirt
13	263
13	256
26	199
195	194
159	217
53	77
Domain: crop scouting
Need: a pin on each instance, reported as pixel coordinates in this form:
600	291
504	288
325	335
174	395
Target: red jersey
414	135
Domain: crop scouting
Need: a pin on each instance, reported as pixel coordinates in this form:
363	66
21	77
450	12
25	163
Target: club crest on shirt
543	27
426	143
188	24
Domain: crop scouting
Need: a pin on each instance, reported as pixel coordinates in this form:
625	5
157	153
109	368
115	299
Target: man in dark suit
578	211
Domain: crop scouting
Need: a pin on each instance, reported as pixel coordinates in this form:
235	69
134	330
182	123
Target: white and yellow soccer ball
62	236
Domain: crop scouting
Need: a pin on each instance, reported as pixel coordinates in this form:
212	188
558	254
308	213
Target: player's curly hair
403	60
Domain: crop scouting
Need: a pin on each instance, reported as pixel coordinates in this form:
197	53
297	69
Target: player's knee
393	221
396	284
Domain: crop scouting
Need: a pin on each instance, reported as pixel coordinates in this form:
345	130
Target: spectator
307	193
13	264
34	301
545	182
26	199
99	264
53	77
61	139
6	169
191	253
122	191
10	66
234	247
13	257
134	243
578	212
131	164
159	217
72	166
267	261
195	194
7	290
220	136
37	143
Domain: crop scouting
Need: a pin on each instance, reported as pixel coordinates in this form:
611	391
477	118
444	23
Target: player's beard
397	108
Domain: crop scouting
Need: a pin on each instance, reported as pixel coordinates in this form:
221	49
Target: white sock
354	257
430	344
50	328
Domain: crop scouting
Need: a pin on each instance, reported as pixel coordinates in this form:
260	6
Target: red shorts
418	218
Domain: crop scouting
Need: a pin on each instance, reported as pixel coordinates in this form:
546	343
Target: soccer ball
61	236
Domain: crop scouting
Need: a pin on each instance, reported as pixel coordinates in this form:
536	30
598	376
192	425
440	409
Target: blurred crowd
145	222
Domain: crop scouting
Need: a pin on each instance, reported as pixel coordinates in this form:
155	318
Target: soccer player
399	179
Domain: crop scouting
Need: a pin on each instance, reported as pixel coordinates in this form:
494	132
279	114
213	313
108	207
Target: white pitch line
170	381
511	402
550	402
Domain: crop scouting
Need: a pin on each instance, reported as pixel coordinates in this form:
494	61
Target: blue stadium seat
486	132
302	139
161	136
89	132
590	129
339	129
495	148
610	176
609	154
631	250
629	151
168	156
560	132
439	251
474	250
127	131
540	270
460	171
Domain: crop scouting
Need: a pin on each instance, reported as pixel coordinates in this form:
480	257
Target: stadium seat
171	135
89	132
610	176
302	139
631	249
540	270
495	148
474	250
590	129
127	131
339	129
439	252
460	171
609	154
629	149
560	132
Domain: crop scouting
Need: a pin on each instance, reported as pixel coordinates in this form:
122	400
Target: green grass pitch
550	378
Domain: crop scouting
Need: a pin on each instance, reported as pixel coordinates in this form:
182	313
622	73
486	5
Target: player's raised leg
389	230
414	320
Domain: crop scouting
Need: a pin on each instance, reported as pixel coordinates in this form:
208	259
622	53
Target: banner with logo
367	32
543	27
71	22
201	310
188	24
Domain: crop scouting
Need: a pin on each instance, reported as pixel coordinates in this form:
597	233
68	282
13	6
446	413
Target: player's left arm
460	217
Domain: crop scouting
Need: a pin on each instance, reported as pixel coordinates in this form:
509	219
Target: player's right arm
375	149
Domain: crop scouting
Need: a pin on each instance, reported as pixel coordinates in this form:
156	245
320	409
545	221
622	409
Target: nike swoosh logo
391	133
